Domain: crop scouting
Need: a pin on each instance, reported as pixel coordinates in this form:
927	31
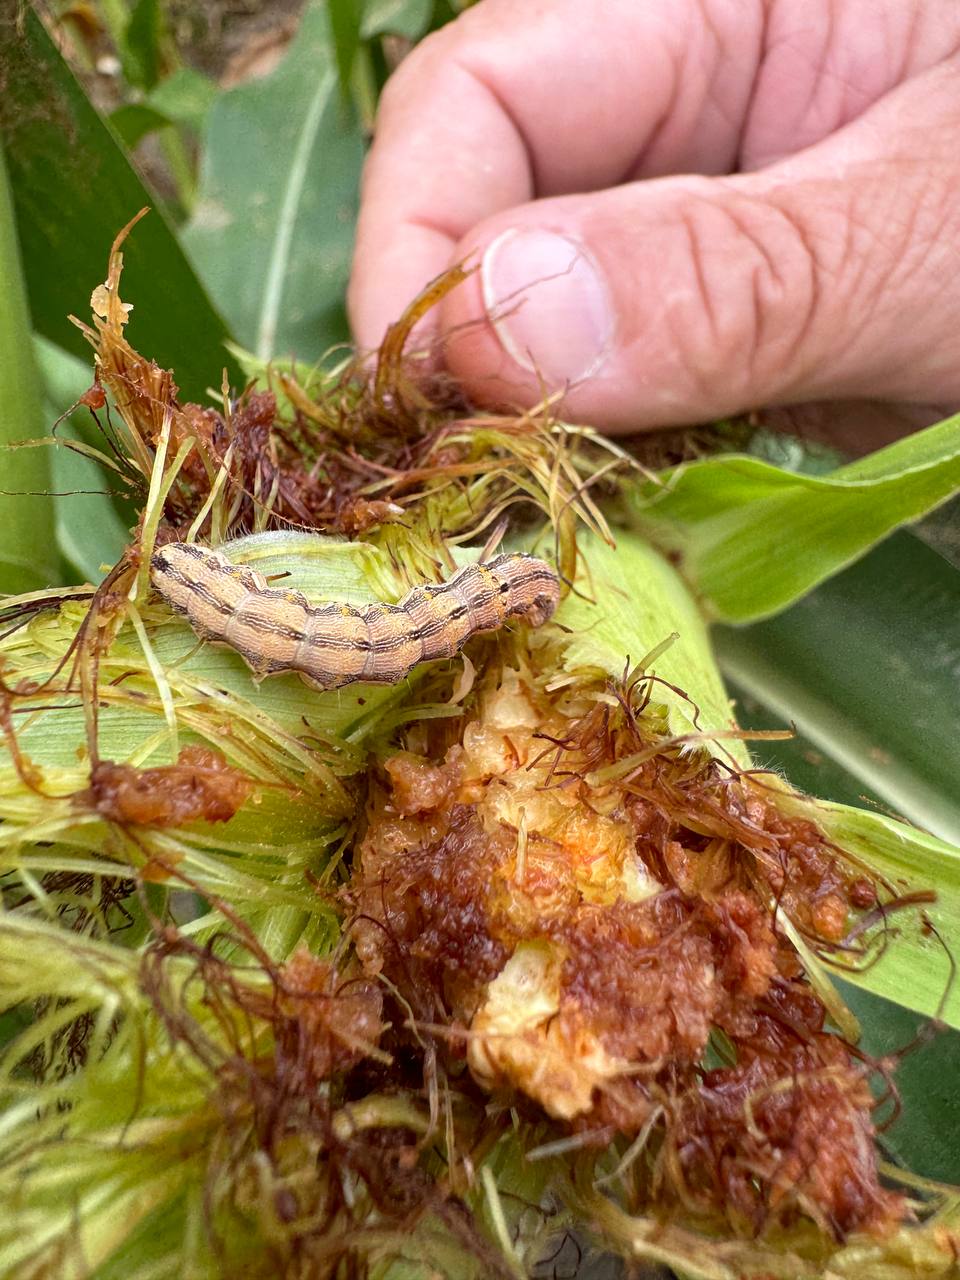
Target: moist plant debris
418	978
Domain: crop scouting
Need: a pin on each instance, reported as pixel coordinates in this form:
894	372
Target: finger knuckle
754	290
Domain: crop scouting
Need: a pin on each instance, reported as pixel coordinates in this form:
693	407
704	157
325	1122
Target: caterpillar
331	645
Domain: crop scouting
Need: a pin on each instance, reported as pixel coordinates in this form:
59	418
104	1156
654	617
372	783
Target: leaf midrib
286	220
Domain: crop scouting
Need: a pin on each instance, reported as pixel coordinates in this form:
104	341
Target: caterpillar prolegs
336	644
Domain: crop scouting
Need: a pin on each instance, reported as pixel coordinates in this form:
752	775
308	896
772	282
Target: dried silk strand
336	644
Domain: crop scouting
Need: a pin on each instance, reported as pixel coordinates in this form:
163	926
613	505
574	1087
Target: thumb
685	299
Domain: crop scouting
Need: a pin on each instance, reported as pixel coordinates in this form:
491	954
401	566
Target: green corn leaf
143	44
641	601
866	667
28	555
184	97
653	623
134	120
345	18
74	188
92	526
272	236
719	518
407	18
915	969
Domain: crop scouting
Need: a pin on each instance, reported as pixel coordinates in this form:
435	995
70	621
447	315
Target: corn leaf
750	537
272	236
643	601
28	558
915	968
74	188
408	18
345	17
92	521
866	667
923	1137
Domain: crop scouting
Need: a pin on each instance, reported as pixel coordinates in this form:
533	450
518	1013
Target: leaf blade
916	969
751	537
56	142
866	666
296	193
89	527
27	558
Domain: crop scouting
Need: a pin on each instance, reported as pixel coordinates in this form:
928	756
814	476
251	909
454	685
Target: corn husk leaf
631	604
876	729
161	690
211	687
802	1256
916	965
144	1161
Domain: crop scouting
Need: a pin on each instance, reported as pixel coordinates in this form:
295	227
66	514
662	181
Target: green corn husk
173	1088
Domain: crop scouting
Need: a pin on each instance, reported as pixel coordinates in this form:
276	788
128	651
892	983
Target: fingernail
548	304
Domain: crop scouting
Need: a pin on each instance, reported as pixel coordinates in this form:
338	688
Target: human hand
680	209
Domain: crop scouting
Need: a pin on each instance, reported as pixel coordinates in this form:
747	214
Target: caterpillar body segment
332	645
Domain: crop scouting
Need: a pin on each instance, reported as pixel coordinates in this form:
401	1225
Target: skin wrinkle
926	228
756	87
722	353
873	264
539	129
638	166
907	54
819	345
900	54
796	306
689	224
436	226
690	65
908	255
844	336
722	53
648	144
758	155
931	245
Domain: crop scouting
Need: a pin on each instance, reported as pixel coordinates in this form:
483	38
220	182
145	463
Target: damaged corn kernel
594	911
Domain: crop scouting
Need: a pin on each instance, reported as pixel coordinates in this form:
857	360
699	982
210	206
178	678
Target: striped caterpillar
336	644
